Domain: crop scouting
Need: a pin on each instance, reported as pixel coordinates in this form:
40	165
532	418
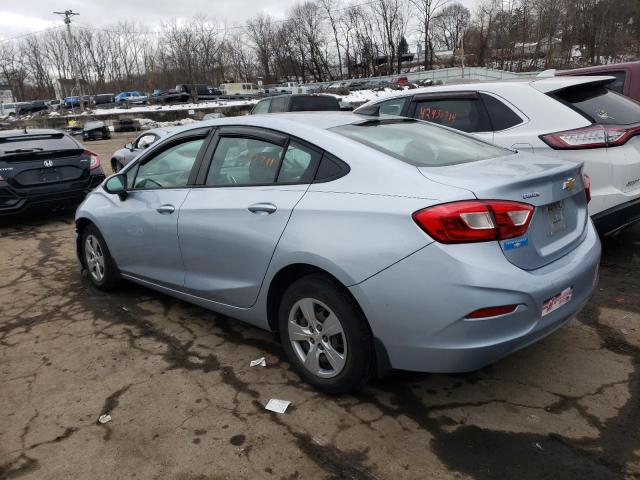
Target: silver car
366	243
131	150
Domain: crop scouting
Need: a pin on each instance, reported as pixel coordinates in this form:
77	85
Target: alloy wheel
317	337
94	258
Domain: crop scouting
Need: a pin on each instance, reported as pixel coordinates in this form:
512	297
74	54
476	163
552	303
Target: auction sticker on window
557	301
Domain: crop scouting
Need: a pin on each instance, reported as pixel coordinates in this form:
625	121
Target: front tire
100	267
325	335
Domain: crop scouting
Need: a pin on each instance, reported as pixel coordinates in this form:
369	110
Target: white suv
572	118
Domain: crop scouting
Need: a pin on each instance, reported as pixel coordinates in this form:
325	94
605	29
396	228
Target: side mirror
129	146
117	185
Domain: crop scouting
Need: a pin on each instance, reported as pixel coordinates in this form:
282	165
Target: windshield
600	105
420	143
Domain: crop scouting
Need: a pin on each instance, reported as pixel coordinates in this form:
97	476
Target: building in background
6	95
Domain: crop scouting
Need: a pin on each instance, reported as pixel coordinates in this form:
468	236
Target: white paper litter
258	361
278	406
104	418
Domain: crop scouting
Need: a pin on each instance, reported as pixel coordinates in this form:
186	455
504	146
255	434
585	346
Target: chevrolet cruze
365	243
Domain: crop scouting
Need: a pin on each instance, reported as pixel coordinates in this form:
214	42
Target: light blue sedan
366	243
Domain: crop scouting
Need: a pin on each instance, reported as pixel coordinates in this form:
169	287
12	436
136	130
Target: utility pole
67	14
462	53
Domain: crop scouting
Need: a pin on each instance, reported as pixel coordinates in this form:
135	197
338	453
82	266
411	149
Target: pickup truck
205	92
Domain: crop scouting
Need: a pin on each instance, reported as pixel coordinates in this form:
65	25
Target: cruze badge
568	184
48	163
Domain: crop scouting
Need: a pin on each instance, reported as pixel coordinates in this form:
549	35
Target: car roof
288	121
612	67
542	84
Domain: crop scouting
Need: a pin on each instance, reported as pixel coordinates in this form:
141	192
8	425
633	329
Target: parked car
355	85
44	169
74	101
627	77
205	92
240	89
126	125
377	84
400	81
338	232
103	99
213	116
295	103
27	108
169	96
95	131
131	150
133	97
7	110
572	118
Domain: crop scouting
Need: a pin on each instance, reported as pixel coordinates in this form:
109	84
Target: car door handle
166	209
262	208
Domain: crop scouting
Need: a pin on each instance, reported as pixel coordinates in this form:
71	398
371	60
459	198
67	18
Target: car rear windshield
600	105
302	104
420	143
35	143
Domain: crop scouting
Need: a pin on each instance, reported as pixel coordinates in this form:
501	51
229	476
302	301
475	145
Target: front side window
463	114
393	107
244	161
419	143
170	168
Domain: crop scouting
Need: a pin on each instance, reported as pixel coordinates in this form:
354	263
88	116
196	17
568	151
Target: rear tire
325	335
100	267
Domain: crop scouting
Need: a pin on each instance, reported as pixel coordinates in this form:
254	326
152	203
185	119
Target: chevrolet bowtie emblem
568	184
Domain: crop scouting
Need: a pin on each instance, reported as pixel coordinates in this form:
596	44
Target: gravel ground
186	405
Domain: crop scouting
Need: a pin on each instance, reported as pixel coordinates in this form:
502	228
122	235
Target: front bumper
13	202
618	217
417	307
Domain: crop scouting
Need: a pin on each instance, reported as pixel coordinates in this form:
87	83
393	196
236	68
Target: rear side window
244	161
279	104
601	105
502	117
463	114
303	104
618	84
419	143
298	164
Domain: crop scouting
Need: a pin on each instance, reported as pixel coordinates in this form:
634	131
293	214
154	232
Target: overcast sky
19	17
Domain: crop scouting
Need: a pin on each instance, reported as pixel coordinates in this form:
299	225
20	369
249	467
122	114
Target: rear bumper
618	217
13	202
417	307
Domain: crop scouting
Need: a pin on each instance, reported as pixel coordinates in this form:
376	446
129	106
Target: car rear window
303	104
420	143
600	105
36	143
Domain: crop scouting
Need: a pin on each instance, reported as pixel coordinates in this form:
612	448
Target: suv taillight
475	220
595	136
95	159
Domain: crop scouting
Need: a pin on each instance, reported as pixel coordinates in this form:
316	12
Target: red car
627	76
401	81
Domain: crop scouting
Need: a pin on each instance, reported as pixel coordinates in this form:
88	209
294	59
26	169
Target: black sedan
95	131
44	169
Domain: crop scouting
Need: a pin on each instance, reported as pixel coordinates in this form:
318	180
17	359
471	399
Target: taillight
95	159
595	136
475	220
492	311
587	186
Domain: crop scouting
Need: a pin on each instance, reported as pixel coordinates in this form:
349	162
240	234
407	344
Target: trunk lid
26	170
553	187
